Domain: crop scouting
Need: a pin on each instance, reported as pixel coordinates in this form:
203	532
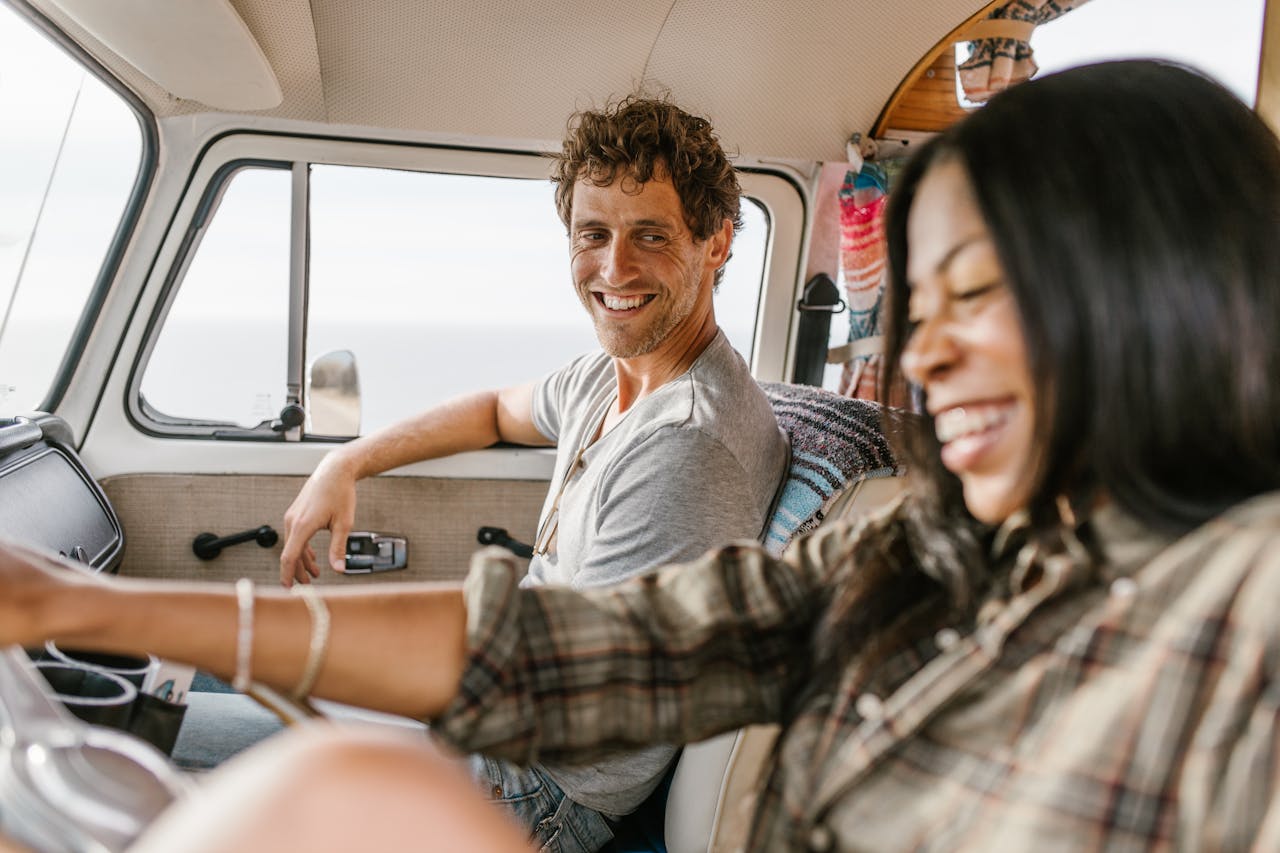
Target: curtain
997	63
862	268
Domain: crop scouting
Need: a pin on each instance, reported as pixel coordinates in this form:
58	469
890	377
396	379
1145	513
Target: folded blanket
835	443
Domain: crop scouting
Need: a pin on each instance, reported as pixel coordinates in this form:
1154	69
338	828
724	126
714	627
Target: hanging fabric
1000	52
862	268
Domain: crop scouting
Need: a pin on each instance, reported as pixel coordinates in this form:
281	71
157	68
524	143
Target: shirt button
821	839
1124	588
946	639
869	707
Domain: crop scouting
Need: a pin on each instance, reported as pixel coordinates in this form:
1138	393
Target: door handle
500	536
206	546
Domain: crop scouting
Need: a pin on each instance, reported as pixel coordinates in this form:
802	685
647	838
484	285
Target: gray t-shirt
690	467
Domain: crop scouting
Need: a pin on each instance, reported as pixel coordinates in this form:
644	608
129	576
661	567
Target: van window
70	151
1223	41
439	284
220	356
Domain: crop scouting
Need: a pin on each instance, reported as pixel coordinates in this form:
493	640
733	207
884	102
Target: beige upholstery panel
779	80
741	788
163	513
483	67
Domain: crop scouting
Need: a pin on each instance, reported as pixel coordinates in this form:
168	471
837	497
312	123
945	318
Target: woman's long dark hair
1135	210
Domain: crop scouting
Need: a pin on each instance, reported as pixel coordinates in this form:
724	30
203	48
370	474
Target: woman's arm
400	650
667	657
672	656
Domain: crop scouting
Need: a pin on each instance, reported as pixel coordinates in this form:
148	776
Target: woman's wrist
78	611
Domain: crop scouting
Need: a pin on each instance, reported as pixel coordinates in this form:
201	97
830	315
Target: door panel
162	514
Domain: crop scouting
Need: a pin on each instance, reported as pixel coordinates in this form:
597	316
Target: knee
328	761
327	788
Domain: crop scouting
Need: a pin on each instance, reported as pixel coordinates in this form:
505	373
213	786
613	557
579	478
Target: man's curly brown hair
642	138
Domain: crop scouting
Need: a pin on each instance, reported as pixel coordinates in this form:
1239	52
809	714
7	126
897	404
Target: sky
1222	38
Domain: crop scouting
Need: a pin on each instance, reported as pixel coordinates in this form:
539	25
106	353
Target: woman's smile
971	433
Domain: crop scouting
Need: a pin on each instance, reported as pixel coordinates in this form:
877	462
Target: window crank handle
206	546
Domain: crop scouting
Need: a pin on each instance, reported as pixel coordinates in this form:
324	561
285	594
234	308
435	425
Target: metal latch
375	552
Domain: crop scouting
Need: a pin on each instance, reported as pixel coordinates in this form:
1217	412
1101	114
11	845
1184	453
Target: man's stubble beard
617	344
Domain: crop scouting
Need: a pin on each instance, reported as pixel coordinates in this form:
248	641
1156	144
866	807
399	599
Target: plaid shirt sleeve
668	657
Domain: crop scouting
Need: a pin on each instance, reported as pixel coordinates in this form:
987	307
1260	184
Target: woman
1062	637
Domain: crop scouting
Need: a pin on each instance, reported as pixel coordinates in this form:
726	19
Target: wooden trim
931	104
999	28
926	62
1268	96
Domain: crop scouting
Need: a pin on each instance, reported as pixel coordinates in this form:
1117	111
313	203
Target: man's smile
623	304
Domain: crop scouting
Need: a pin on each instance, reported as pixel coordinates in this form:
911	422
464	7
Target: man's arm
327	500
400	651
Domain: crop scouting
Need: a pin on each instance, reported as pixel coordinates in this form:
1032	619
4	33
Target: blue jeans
556	823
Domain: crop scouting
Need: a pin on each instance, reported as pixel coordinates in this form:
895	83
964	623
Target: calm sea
217	370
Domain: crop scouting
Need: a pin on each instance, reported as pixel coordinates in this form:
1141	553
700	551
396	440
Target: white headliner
787	80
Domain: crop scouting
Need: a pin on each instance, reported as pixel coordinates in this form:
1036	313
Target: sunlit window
437	284
1222	39
70	150
221	355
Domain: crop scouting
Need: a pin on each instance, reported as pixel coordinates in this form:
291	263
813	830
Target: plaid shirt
1138	708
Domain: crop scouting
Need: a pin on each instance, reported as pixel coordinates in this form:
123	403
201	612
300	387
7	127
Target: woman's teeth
959	422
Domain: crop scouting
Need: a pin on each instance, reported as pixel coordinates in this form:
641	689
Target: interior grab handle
206	546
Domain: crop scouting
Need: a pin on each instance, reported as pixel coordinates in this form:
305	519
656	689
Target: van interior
239	232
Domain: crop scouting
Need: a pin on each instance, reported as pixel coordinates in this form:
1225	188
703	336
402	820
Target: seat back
840	467
836	443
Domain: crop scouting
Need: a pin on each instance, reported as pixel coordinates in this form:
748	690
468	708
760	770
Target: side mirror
332	397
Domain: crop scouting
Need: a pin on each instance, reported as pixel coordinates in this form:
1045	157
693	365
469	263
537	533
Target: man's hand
328	498
327	501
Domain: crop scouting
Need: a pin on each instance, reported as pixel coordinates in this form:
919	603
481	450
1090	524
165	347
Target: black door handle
499	536
209	545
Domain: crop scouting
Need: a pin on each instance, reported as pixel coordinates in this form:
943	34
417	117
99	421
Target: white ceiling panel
787	80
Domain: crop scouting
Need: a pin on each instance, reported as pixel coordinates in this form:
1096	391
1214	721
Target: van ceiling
788	80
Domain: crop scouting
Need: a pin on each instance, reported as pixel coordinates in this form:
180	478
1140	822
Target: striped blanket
835	442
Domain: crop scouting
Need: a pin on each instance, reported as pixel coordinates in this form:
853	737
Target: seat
840	466
712	792
837	444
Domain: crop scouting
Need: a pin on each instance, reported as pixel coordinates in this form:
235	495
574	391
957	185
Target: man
665	444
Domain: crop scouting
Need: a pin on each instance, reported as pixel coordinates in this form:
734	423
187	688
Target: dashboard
47	498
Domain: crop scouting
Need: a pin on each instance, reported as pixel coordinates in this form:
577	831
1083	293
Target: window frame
776	192
193	235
